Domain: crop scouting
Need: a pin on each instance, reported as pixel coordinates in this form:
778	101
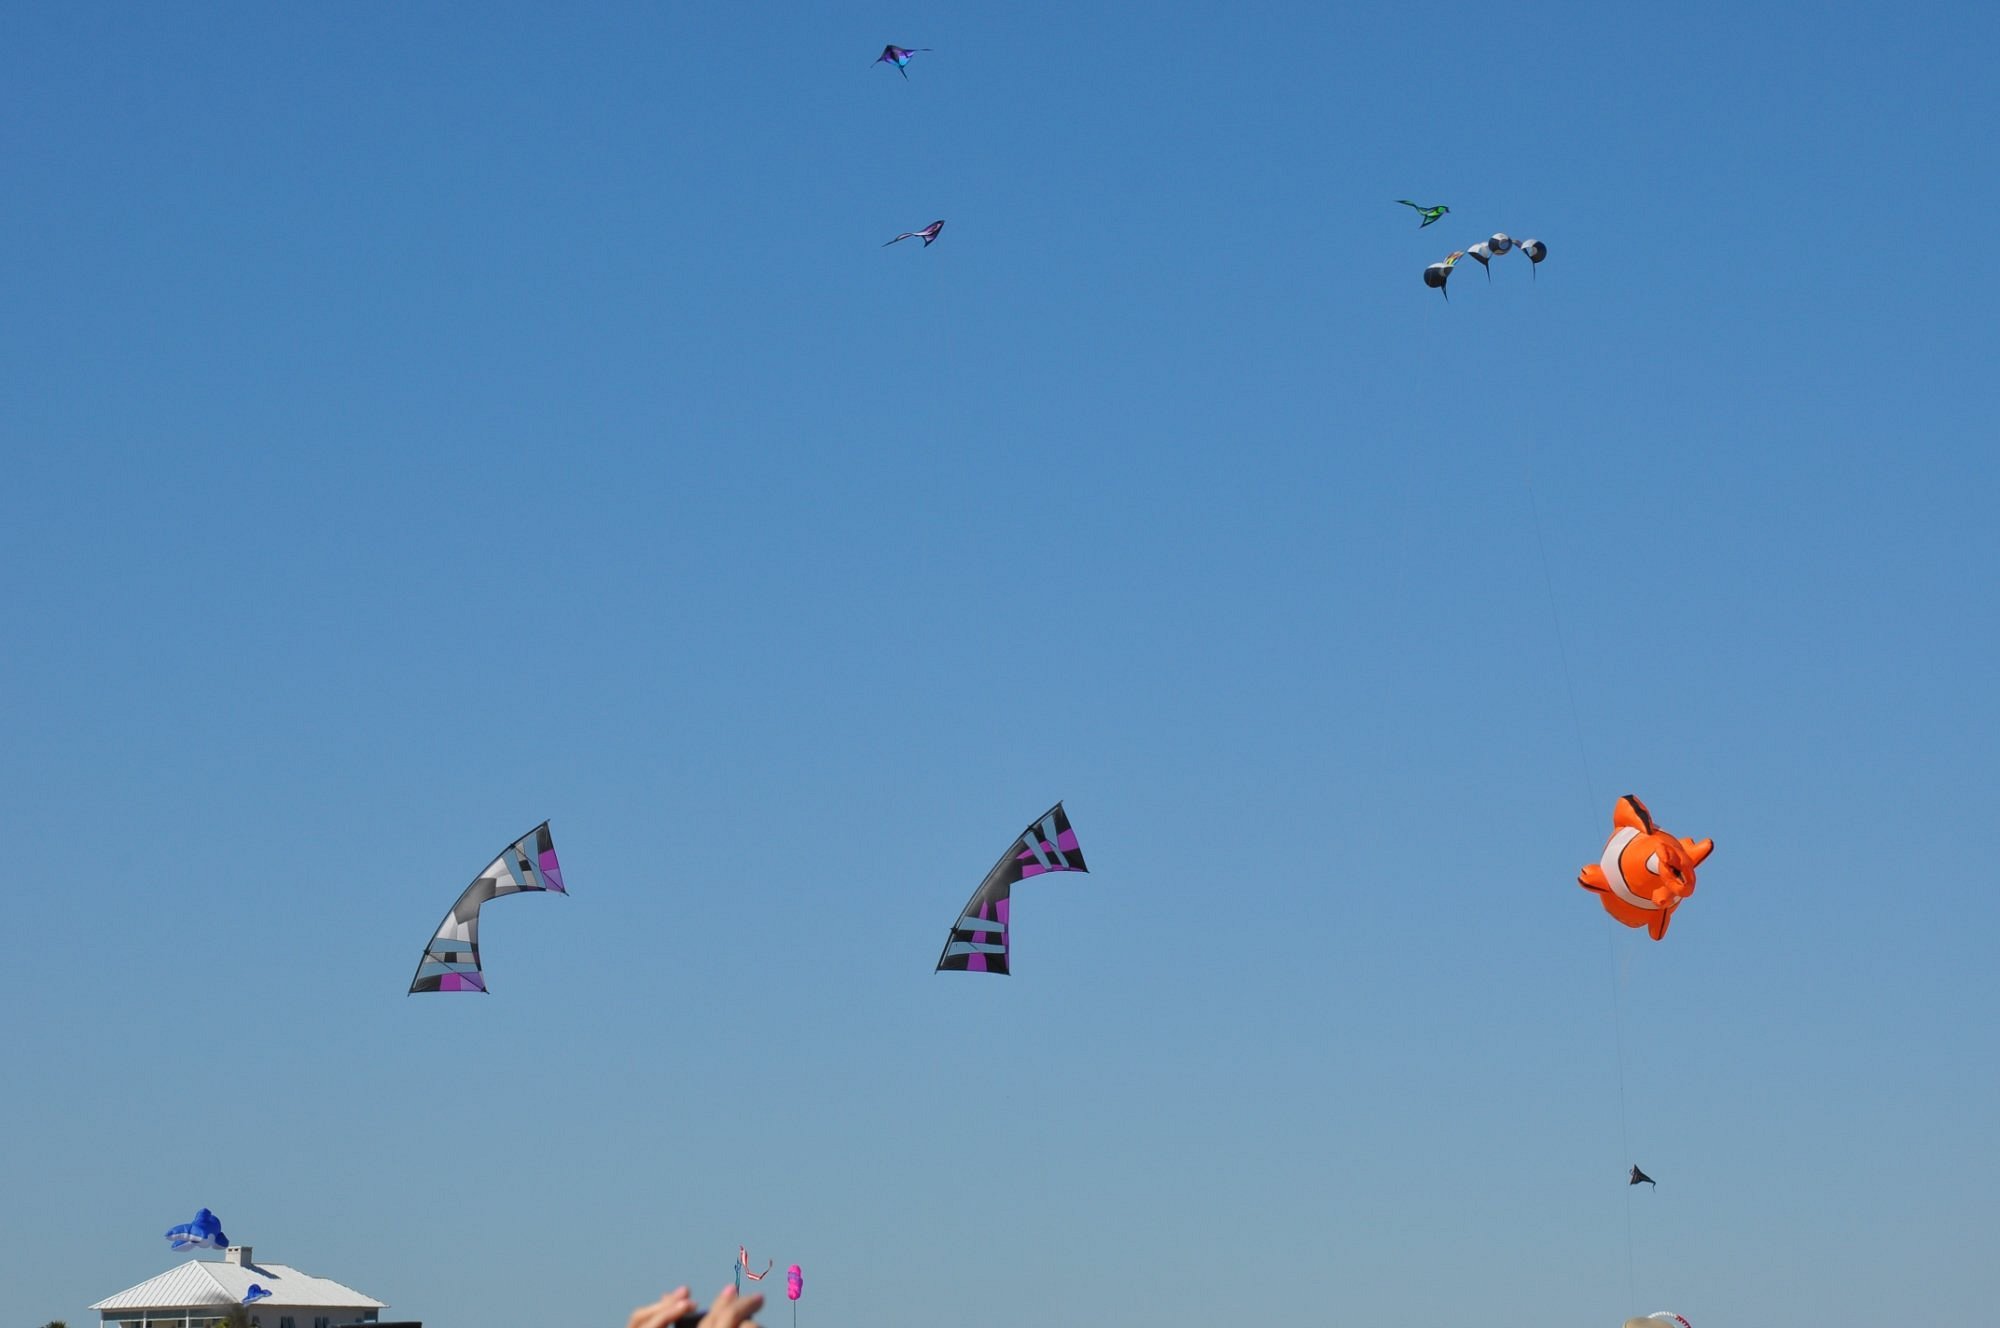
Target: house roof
211	1282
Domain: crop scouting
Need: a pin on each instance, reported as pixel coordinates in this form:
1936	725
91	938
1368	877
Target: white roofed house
201	1291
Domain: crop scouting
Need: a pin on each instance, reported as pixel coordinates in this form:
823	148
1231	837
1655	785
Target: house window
285	1321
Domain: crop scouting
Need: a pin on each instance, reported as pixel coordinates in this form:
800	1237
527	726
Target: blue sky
418	424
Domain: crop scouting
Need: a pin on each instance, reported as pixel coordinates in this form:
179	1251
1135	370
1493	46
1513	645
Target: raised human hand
667	1310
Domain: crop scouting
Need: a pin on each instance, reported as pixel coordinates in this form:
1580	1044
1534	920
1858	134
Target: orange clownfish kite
1645	872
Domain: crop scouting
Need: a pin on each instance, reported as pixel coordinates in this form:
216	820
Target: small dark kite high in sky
927	234
899	56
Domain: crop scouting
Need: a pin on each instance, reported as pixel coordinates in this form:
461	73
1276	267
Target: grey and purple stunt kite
899	56
451	960
978	940
927	234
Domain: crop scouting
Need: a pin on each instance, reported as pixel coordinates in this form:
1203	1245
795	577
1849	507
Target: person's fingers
732	1311
664	1311
723	1300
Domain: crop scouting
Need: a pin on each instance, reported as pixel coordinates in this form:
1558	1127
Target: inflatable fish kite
1429	214
1641	1178
978	940
1645	872
927	234
451	960
795	1282
204	1233
899	56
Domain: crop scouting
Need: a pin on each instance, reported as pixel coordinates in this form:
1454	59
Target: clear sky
420	421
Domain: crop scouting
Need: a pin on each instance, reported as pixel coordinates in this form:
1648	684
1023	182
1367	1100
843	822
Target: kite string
1590	792
1555	616
1624	1142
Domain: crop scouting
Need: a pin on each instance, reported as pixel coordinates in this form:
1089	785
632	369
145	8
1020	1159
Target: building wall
264	1314
267	1315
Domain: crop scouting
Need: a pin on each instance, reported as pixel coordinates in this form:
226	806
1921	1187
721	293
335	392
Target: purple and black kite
978	941
451	960
899	56
927	234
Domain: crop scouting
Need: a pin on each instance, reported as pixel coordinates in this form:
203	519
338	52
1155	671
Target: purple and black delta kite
927	234
899	56
978	941
451	960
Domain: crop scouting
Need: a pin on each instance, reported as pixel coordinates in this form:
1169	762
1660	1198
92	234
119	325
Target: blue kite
204	1233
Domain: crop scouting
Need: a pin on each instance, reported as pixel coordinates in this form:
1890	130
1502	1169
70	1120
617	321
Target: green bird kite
1429	214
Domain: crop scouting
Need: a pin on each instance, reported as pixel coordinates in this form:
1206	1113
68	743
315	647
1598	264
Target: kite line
1590	792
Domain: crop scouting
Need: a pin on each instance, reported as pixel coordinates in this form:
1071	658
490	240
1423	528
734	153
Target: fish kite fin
1631	814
